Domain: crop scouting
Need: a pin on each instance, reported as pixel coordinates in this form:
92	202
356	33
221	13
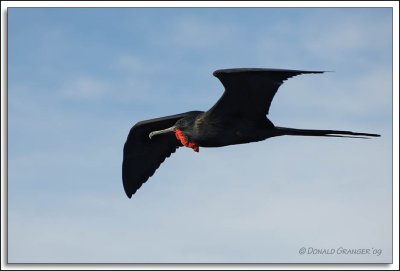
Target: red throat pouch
181	137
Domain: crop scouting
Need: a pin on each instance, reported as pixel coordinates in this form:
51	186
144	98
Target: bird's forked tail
331	133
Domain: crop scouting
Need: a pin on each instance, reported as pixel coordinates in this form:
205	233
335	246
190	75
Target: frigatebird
238	117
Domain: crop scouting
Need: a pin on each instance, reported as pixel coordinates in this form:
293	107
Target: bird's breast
185	142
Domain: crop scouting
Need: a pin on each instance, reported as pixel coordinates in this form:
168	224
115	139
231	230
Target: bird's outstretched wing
142	156
249	91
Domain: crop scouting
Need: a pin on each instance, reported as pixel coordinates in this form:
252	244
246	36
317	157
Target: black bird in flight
238	117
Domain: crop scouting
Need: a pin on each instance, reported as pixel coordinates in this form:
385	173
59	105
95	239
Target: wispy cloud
86	88
193	33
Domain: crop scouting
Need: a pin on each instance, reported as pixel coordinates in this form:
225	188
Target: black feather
249	91
142	156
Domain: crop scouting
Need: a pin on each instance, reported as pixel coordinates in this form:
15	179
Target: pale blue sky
78	79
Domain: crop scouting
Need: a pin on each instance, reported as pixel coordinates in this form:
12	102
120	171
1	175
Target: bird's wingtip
128	194
215	73
219	72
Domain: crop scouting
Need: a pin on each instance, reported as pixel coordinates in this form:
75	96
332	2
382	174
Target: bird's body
238	117
227	131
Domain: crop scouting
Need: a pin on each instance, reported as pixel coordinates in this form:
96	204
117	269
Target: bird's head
186	124
183	129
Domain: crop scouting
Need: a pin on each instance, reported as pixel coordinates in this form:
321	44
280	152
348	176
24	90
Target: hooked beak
170	129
